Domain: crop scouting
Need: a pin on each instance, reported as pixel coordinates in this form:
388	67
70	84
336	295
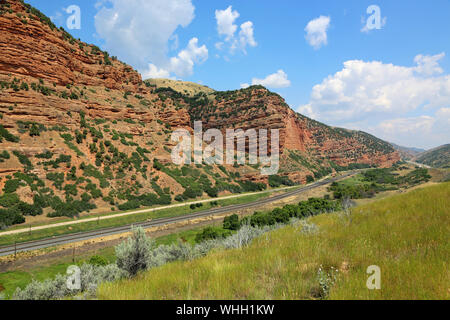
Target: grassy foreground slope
407	236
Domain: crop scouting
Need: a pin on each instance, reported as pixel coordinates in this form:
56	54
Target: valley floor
407	236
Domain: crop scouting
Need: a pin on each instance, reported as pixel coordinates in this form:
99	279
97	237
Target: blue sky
393	82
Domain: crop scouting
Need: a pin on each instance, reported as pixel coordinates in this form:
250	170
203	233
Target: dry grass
184	87
406	235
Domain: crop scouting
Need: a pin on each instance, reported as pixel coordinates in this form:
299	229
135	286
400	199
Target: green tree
231	222
34	130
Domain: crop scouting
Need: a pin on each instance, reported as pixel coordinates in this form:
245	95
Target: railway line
82	236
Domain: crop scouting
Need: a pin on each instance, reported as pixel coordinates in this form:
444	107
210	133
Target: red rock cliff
32	48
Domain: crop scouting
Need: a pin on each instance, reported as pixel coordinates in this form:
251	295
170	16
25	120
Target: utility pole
73	254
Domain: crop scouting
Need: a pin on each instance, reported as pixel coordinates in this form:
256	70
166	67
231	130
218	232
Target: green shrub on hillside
8	200
231	222
70	189
23	159
130	205
29	209
70	208
4	156
312	207
358	191
11	185
192	193
57	178
212	233
98	261
10	217
146	200
4	134
276	181
249	186
46	155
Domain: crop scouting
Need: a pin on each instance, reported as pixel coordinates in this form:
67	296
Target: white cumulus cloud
153	72
275	80
407	125
443	114
429	65
316	32
227	28
181	65
385	98
140	31
246	35
422	131
226	22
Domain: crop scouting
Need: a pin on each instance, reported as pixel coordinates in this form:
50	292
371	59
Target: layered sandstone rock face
345	147
35	49
254	108
258	108
68	76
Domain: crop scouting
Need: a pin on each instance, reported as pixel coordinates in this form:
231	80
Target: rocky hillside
33	47
436	158
308	146
81	132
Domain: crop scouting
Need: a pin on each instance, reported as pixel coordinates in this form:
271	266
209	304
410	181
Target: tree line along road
82	236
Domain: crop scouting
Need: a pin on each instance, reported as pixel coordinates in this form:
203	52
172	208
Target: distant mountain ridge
407	153
437	158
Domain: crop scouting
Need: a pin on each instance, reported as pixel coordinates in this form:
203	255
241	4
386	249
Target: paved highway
420	165
76	237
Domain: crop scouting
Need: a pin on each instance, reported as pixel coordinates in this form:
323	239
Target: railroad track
76	237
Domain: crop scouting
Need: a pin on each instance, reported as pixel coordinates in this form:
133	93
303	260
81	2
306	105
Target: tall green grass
407	236
11	280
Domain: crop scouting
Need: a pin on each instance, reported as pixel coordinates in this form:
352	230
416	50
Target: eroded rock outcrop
35	49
